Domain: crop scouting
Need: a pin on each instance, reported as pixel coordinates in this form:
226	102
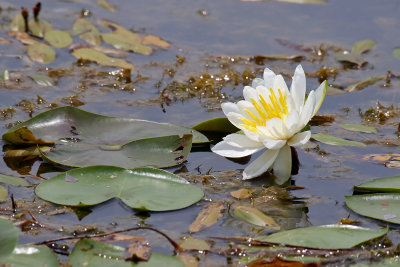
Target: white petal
229	107
264	91
241	140
291	123
273	143
226	150
234	118
257	82
249	92
265	131
319	96
279	83
277	128
300	139
283	165
307	111
252	135
268	76
298	87
261	164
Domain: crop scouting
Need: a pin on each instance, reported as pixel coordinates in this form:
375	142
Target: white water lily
271	117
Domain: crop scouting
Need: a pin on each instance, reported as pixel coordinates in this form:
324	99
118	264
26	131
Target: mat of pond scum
217	47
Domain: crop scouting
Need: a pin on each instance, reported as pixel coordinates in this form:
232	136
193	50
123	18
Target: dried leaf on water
155	40
140	250
241	193
256	217
208	216
278	262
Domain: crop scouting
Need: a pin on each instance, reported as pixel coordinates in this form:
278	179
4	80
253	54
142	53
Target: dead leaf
241	193
23	37
208	216
192	243
277	262
30	151
23	136
138	251
118	238
155	40
382	157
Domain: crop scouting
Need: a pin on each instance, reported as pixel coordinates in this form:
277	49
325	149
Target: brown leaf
24	136
382	157
23	37
192	243
241	193
208	216
119	238
138	251
277	262
188	260
155	40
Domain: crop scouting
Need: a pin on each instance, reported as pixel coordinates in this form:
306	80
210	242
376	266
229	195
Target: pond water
216	38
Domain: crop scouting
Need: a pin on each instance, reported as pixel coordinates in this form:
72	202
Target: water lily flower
272	117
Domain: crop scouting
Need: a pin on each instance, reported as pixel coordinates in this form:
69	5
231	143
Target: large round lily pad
327	236
8	237
82	138
142	188
28	256
385	184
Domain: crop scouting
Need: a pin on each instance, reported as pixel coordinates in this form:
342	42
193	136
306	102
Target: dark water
199	30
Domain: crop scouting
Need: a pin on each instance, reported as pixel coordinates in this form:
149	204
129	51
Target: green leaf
106	5
5	76
334	141
384	207
28	256
90	253
327	236
3	193
100	58
364	83
58	38
41	53
256	217
385	185
86	138
17	23
358	128
8	237
362	46
42	80
396	52
221	125
12	180
86	31
39	27
349	57
141	188
125	43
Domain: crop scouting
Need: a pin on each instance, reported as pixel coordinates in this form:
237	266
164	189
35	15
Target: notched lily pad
86	31
39	27
106	140
142	188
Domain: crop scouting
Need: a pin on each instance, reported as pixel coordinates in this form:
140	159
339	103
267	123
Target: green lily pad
327	236
363	46
8	237
3	193
42	80
28	256
383	206
100	58
86	31
349	57
221	125
384	185
17	23
41	53
39	27
396	52
334	141
82	139
386	262
5	75
364	83
58	38
90	253
141	188
125	43
358	128
12	180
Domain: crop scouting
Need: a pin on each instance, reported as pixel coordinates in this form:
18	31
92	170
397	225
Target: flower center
277	108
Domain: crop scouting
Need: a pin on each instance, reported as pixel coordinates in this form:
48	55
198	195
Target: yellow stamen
277	108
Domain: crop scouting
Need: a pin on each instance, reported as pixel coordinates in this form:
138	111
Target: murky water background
200	30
